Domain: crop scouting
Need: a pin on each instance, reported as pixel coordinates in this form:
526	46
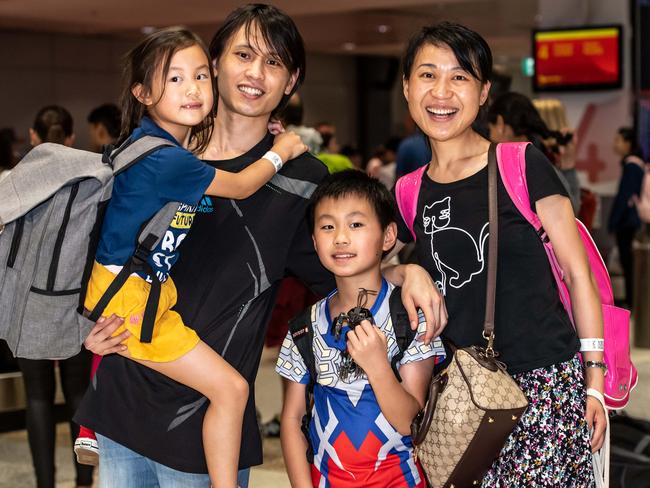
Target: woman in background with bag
624	221
53	124
447	68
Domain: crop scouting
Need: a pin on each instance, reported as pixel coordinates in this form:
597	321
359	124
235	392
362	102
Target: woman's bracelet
592	344
596	364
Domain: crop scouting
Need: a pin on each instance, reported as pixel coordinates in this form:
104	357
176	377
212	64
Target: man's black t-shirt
532	329
227	277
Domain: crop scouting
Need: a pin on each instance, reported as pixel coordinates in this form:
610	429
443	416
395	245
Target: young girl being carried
168	93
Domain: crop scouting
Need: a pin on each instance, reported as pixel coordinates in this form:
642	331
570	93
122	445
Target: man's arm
294	444
303	263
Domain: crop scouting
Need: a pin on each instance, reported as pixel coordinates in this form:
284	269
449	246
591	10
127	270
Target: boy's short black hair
110	116
355	183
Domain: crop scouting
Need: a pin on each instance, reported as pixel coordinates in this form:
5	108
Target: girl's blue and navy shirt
171	174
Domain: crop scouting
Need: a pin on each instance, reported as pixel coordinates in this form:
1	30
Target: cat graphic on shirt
456	268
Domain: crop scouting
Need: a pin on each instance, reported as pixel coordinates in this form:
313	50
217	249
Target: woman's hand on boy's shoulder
419	291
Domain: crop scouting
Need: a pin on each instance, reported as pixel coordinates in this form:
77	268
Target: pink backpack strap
511	159
407	190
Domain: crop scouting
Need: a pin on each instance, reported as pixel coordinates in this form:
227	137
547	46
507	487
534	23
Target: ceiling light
383	28
349	46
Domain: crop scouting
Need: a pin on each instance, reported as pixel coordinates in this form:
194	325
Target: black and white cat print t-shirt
532	329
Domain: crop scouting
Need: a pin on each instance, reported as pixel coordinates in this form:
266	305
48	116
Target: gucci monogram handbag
474	404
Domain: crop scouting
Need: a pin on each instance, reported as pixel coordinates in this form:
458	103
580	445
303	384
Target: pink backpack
621	376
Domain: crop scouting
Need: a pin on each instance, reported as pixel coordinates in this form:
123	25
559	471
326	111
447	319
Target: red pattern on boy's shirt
360	474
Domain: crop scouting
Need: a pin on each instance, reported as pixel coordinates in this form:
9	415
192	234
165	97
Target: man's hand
419	291
597	422
100	340
367	345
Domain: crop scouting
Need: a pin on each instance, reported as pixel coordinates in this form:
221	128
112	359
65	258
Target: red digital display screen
577	59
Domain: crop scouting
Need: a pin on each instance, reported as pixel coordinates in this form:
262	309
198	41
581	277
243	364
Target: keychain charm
346	322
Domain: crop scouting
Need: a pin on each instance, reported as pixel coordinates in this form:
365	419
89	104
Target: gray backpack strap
157	226
130	152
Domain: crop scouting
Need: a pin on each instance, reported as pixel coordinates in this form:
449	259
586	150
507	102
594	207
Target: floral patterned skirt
550	446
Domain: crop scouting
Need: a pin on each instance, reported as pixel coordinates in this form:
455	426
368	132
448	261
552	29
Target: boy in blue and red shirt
359	430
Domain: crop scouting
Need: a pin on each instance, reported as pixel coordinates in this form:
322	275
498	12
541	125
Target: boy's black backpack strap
404	335
302	333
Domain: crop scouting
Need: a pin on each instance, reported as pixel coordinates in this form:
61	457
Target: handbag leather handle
421	423
493	241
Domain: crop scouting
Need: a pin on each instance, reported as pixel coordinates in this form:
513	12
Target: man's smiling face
251	78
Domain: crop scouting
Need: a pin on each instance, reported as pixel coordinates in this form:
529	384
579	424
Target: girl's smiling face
183	98
443	98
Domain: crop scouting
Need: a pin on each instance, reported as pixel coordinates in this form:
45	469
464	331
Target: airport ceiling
331	26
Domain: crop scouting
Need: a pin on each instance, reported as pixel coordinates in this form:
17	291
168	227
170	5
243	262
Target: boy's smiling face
348	237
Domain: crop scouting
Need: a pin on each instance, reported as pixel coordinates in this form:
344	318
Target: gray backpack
51	211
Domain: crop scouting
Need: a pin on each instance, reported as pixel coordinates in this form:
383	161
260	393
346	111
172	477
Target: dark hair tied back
53	124
629	135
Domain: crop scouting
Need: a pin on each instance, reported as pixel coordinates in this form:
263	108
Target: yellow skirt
171	337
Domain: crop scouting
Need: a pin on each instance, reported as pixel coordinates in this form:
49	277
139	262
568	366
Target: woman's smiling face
443	98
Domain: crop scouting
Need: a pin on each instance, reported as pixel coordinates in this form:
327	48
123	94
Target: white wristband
275	159
592	344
